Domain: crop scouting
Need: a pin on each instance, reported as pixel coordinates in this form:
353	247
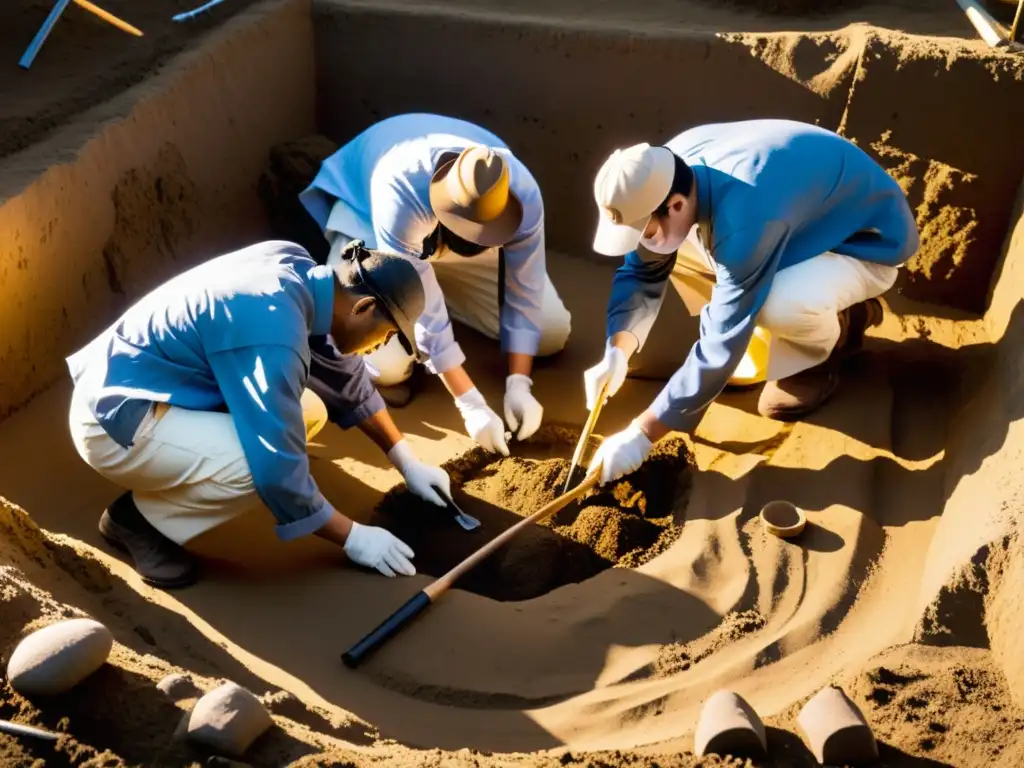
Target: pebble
227	720
58	657
178	687
836	730
728	725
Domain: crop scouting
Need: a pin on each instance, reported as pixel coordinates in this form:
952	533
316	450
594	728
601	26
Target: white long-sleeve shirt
383	178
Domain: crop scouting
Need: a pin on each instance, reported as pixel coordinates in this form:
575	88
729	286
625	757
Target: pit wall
970	593
144	186
942	116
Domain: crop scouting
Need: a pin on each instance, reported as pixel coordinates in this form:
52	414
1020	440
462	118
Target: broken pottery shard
178	687
728	725
227	720
836	730
56	658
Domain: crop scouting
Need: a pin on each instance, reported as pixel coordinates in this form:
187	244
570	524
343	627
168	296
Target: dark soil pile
624	524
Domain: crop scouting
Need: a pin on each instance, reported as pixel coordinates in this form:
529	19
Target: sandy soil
593	640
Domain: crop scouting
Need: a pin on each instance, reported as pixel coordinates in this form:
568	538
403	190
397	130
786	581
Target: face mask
665	248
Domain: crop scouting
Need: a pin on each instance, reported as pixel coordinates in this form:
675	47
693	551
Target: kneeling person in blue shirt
196	400
793	228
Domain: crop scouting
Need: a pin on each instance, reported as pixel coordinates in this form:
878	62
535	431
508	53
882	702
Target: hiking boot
798	395
159	561
853	322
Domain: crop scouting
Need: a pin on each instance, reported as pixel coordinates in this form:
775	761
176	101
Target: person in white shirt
452	198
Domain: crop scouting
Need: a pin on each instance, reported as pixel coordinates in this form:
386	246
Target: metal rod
44	31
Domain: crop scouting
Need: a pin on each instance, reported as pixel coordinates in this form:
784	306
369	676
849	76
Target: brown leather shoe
796	396
159	561
853	322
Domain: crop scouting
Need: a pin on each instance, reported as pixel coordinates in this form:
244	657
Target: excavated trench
623	524
605	627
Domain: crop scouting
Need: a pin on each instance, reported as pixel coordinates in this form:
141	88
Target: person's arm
400	225
726	326
262	387
638	290
525	272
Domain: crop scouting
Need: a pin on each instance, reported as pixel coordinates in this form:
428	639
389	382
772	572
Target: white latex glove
378	548
522	410
421	478
611	369
622	453
482	424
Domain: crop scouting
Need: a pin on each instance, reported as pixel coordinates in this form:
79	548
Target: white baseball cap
628	189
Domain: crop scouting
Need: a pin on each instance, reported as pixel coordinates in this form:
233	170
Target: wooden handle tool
588	430
433	591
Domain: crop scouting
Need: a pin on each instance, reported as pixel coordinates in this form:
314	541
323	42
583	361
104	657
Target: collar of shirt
321	283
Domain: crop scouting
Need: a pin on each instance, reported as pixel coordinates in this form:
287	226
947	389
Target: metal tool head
466	522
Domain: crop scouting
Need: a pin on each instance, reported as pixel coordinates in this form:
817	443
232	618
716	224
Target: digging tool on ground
433	591
16	729
987	27
588	429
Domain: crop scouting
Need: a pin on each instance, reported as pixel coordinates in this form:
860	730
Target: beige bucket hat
470	195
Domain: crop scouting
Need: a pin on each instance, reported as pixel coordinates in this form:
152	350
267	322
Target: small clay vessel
836	731
728	725
782	519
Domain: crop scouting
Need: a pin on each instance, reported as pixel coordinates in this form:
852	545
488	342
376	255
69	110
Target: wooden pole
419	602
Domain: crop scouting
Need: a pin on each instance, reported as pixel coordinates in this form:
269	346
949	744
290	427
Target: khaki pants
187	470
801	315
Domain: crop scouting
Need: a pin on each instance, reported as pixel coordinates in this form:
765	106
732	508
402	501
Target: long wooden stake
433	591
109	17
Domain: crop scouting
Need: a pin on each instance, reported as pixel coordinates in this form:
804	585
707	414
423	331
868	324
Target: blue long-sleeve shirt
383	176
230	334
771	194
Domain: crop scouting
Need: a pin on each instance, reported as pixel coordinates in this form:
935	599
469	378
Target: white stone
227	720
178	687
56	658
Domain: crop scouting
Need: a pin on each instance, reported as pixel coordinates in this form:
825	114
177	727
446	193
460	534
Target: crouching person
196	401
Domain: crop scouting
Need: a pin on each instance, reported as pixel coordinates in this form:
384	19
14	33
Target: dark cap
395	283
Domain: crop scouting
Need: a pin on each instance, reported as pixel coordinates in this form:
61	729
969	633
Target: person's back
822	187
158	350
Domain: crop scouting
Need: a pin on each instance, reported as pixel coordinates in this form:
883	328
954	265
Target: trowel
588	429
466	522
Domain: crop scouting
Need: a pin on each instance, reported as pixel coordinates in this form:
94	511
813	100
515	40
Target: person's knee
391	364
556	325
314	413
782	314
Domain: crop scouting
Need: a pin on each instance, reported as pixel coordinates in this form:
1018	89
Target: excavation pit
624	524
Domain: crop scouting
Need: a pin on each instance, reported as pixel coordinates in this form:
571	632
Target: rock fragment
58	657
227	720
178	687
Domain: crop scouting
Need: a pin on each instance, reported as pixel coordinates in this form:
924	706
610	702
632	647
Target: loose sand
594	639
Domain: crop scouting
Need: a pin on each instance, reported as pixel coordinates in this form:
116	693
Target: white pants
470	287
801	314
187	471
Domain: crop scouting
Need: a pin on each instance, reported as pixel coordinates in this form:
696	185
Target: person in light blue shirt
453	199
800	232
198	400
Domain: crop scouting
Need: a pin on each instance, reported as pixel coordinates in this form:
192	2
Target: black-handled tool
467	522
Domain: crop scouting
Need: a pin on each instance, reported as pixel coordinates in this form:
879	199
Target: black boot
158	560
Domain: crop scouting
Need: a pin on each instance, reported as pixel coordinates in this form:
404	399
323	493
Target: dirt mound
624	524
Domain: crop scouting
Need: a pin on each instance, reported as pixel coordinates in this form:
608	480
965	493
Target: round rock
56	658
836	730
728	725
227	720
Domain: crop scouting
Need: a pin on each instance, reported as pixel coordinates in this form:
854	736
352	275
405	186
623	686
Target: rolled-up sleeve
343	383
525	272
726	323
262	388
638	290
401	224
